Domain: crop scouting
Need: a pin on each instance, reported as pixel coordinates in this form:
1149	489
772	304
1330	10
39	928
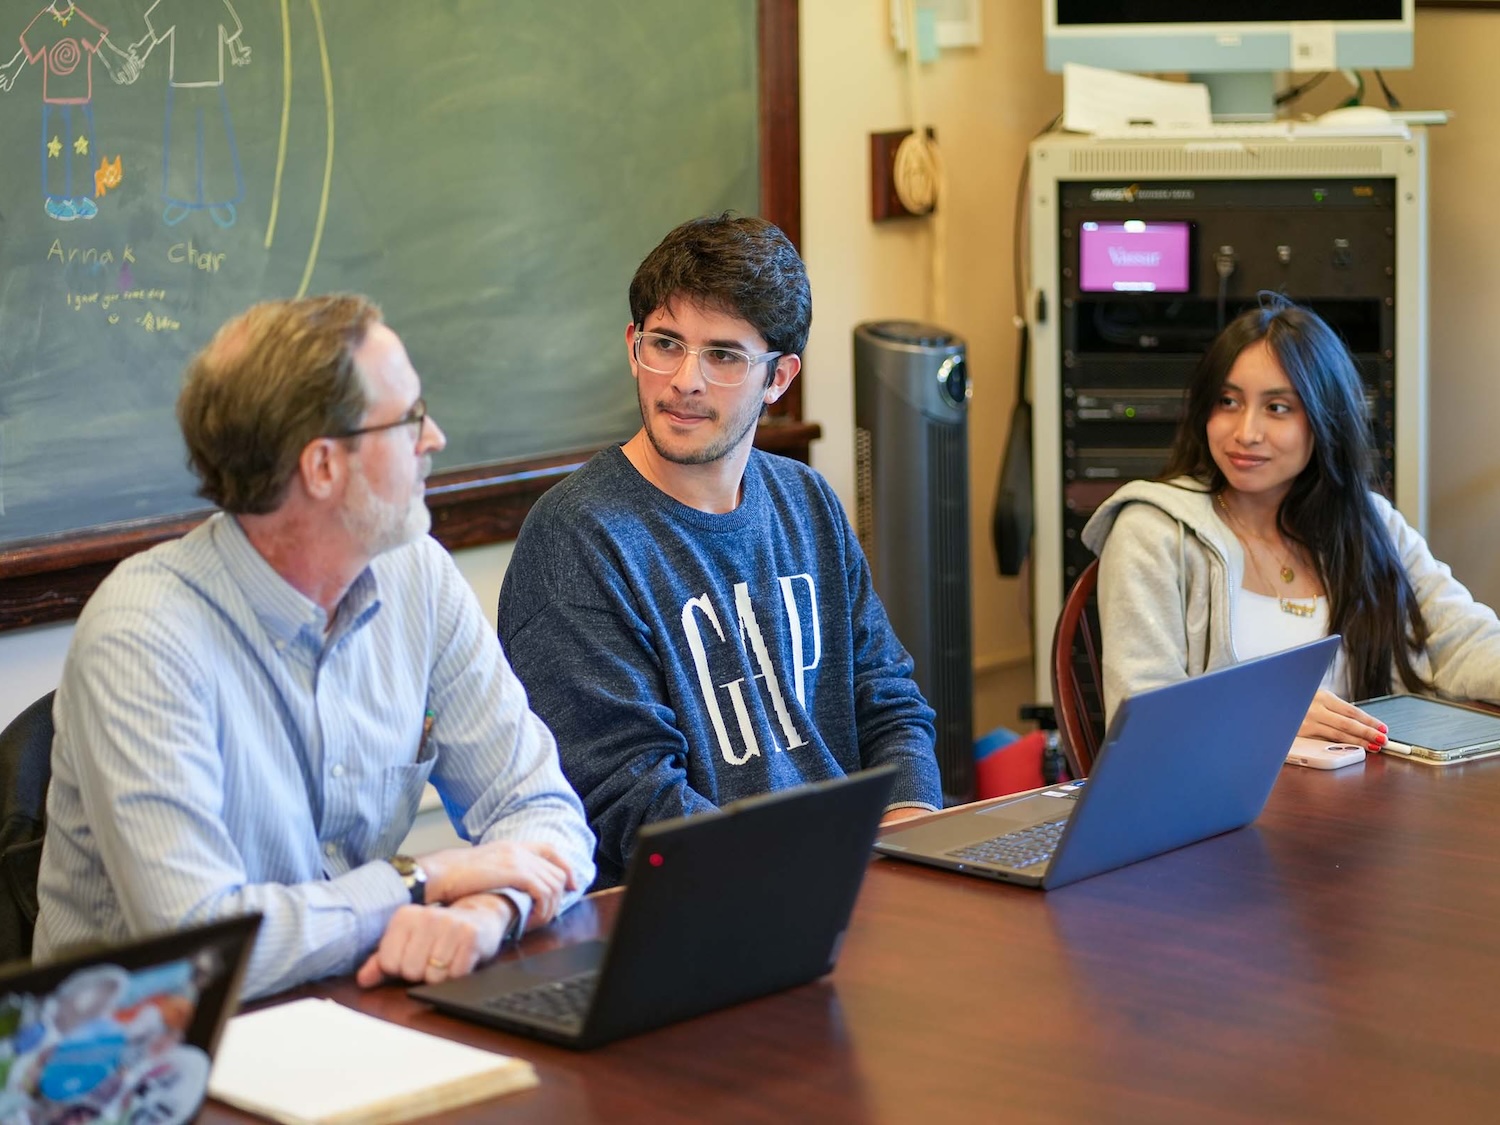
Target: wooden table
1337	961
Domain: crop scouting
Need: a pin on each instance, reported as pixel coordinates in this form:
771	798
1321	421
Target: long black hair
1328	510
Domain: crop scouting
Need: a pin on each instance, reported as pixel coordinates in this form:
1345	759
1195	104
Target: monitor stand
1248	95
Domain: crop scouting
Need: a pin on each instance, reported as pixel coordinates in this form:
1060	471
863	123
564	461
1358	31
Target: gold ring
434	963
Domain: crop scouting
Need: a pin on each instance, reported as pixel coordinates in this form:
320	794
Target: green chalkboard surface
489	170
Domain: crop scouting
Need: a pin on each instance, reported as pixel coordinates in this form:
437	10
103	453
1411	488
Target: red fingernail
1383	728
1374	747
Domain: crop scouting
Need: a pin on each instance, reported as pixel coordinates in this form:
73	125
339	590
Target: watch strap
413	876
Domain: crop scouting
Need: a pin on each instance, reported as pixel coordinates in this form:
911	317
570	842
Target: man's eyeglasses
724	367
416	416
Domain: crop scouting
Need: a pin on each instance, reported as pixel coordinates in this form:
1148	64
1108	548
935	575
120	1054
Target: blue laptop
1178	765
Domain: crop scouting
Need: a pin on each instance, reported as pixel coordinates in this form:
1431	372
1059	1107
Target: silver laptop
1179	764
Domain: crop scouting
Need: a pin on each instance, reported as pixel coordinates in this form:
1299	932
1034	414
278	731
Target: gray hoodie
1168	570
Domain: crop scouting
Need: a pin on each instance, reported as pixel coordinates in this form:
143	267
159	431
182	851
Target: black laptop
123	1033
718	908
1178	765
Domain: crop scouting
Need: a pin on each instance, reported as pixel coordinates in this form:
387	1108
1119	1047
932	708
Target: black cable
1012	520
1224	265
1020	244
1017	267
1295	92
1391	100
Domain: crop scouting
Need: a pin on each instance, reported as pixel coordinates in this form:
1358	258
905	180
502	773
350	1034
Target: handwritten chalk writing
185	252
87	255
77	301
159	323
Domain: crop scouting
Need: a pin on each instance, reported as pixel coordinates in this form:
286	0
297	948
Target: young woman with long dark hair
1264	532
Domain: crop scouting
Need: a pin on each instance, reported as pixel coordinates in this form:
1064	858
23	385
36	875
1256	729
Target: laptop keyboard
1023	848
564	1001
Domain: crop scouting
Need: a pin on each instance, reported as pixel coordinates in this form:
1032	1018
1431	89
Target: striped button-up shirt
220	749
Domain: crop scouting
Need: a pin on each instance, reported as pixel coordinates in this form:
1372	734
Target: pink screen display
1134	257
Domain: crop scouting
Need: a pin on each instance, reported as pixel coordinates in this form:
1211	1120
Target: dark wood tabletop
1338	961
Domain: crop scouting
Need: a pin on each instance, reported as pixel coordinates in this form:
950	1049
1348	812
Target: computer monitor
1234	46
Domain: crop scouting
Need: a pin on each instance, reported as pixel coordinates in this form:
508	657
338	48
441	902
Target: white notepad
316	1062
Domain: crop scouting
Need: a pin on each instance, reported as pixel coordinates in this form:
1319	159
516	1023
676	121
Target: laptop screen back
1189	761
123	1035
727	906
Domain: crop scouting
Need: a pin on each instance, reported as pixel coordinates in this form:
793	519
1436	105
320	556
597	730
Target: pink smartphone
1323	755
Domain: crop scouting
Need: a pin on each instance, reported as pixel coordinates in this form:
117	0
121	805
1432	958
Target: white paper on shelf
1096	100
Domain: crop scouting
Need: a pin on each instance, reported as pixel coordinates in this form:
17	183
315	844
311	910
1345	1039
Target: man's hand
435	943
901	814
1331	719
239	53
534	869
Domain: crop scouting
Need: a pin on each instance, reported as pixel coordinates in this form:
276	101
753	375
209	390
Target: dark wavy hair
1328	510
734	263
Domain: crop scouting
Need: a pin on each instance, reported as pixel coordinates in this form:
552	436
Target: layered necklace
1288	575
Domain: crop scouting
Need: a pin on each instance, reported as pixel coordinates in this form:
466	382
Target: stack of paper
1096	101
315	1062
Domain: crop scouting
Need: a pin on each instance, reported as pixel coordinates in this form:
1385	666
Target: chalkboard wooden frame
50	579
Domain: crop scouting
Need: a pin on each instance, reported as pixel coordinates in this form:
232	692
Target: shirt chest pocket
402	793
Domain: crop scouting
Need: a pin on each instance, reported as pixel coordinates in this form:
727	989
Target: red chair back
1077	684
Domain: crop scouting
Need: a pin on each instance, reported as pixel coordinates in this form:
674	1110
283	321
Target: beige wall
985	103
1458	54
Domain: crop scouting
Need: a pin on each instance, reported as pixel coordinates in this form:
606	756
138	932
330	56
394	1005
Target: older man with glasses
693	617
248	715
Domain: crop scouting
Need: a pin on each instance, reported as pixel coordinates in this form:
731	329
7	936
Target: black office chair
25	771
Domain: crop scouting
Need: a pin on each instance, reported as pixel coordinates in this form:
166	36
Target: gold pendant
1298	609
1288	575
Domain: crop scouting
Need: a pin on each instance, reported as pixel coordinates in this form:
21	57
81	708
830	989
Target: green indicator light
1130	412
1319	196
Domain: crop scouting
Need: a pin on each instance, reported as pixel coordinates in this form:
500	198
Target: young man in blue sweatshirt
692	617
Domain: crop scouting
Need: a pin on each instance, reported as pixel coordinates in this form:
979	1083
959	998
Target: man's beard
382	525
717	448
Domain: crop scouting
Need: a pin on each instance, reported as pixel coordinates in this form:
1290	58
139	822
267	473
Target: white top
1259	628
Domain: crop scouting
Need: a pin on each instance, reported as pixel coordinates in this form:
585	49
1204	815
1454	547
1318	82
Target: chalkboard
489	170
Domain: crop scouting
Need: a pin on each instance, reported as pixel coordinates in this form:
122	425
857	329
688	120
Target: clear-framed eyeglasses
724	367
416	416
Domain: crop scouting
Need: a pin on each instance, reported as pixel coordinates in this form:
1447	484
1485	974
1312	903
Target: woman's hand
1331	719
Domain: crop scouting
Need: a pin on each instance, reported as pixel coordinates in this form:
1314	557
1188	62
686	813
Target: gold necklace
1296	609
1288	575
